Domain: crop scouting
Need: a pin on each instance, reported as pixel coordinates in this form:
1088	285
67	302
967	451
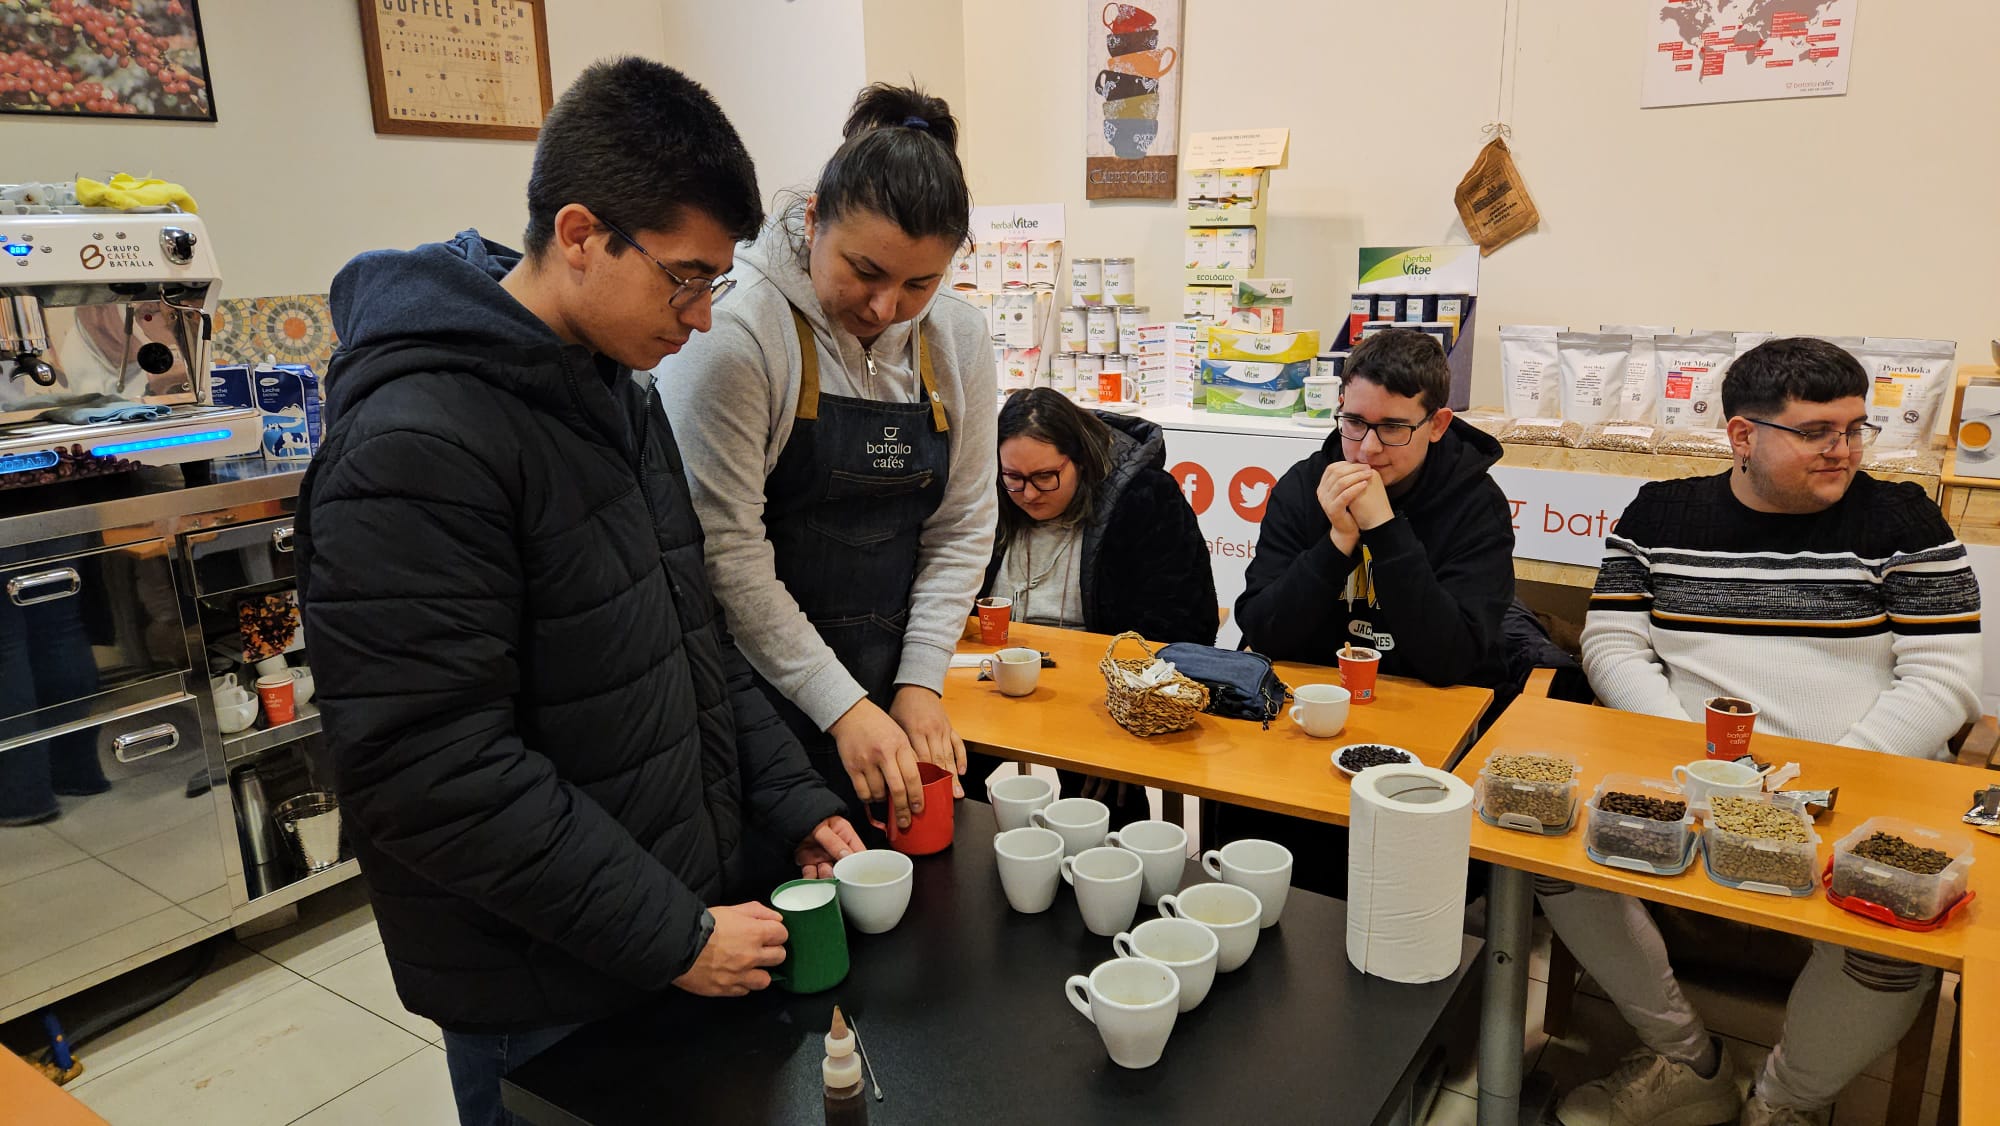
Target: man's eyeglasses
687	291
1044	481
1823	437
1354	428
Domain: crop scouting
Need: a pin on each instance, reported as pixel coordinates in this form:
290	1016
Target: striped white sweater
1858	625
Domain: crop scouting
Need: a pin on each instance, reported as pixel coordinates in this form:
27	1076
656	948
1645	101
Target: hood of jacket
440	308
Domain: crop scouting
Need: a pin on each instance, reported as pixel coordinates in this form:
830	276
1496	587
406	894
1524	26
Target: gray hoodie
731	394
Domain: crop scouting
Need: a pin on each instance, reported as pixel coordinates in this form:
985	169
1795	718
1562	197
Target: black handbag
1241	684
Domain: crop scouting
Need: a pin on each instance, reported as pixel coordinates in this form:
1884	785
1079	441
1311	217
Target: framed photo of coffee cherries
458	68
97	58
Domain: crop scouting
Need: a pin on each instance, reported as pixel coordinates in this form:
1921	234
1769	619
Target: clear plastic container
1640	844
1531	806
1910	895
1738	860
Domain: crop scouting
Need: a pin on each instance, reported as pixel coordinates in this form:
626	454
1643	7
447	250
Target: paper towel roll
1411	840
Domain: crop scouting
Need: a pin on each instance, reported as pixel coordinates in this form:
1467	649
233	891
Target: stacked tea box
1257	373
1224	241
1167	359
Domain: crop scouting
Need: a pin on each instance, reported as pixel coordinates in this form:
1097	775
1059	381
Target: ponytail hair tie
914	122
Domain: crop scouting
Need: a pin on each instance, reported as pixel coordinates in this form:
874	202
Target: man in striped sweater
1846	609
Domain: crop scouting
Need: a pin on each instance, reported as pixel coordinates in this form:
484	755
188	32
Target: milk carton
288	394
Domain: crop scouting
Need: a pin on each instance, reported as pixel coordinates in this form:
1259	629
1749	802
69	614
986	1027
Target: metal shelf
256	740
296	890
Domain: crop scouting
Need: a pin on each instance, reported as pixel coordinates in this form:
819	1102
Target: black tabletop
961	1011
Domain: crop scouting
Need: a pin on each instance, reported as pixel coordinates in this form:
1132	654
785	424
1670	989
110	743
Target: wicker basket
1148	711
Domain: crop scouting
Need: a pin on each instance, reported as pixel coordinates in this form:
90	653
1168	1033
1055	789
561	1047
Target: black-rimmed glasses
1354	428
687	291
1045	481
1823	438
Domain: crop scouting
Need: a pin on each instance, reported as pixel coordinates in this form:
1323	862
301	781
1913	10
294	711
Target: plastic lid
842	1066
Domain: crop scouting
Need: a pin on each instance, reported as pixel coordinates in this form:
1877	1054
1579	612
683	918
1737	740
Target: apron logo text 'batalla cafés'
889	453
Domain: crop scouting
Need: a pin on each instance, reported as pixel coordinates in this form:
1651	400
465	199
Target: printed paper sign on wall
1702	51
1132	106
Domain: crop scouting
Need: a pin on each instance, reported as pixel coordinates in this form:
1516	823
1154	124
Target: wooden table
1605	741
1979	1029
26	1095
1064	723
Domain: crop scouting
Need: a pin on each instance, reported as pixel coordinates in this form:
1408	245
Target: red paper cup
994	614
1357	672
275	692
1730	721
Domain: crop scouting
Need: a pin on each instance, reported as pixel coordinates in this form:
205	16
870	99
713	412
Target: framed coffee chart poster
457	68
1132	106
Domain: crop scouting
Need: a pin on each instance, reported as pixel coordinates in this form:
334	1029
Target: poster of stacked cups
1132	107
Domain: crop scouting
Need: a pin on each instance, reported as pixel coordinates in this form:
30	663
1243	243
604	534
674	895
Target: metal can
1086	281
1075	332
1330	363
1062	372
1372	327
1130	317
1388	306
1120	281
1101	330
1418	308
1443	331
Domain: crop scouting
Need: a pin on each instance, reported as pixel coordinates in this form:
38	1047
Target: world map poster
1704	51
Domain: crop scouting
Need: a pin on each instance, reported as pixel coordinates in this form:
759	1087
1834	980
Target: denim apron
844	509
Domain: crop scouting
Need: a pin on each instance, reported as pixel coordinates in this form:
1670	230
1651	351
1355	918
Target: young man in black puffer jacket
553	763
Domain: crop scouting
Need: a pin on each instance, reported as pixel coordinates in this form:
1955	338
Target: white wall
785	72
1872	213
292	180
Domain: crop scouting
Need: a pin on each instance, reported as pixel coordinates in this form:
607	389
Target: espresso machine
98	308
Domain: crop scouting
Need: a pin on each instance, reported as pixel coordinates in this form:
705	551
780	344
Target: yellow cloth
126	192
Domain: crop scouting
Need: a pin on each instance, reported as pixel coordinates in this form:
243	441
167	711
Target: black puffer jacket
548	751
1145	565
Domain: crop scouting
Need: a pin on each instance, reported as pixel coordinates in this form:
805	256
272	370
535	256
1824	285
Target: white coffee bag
1593	374
1641	400
1531	371
1911	380
1691	367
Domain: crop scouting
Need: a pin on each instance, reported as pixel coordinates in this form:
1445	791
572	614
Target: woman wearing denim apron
838	428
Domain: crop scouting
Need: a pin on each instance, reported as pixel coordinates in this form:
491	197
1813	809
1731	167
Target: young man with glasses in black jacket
1391	537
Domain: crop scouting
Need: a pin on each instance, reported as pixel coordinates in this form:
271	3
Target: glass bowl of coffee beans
1534	791
1916	872
1641	824
1758	843
1357	757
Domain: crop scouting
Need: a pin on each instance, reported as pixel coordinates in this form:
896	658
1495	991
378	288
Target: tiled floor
296	1026
302	1026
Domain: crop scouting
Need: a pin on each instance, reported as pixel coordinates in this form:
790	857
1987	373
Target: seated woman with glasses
1094	535
1391	537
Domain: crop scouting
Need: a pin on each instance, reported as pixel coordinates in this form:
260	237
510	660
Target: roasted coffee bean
1887	848
1364	755
1640	805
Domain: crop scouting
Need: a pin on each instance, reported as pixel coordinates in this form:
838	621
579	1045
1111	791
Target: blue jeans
477	1061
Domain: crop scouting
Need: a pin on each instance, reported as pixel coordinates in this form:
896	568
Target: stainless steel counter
119	834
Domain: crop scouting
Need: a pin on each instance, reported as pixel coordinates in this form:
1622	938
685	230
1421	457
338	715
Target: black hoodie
1145	564
1442	570
547	749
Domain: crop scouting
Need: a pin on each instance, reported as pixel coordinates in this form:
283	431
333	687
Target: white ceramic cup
1703	779
1015	670
1321	710
1186	947
1162	848
226	680
302	684
1018	795
1233	913
233	693
1133	1003
874	886
1081	821
235	715
272	666
1107	882
1030	862
1264	868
